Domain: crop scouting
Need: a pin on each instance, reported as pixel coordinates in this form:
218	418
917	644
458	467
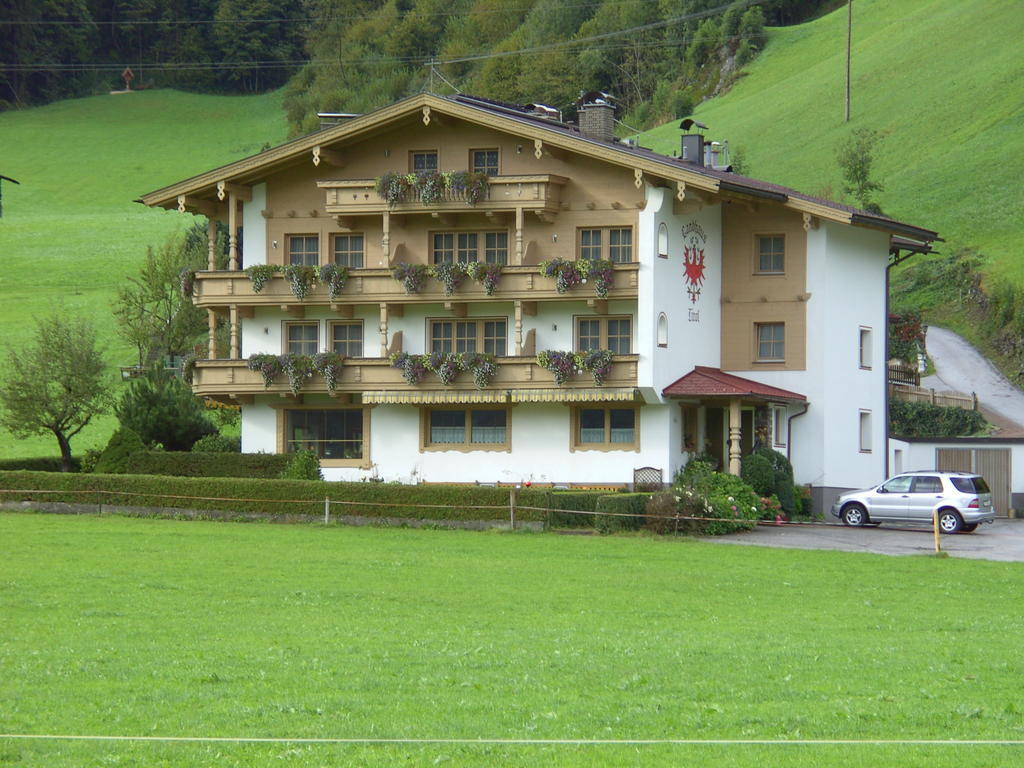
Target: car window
899	484
927	484
970	484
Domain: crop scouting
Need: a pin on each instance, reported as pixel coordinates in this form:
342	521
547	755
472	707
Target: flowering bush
413	367
268	365
563	365
299	368
301	279
328	365
450	275
486	274
334	276
731	503
483	367
412	276
598	362
259	274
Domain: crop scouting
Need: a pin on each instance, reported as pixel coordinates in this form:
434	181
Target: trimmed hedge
926	420
272	497
42	464
621	504
582	501
199	464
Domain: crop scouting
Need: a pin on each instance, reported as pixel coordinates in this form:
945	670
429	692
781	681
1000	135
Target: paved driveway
1003	540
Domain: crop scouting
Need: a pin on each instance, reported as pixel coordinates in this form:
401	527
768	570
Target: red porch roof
713	382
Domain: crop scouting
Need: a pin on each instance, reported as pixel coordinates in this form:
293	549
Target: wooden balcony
540	193
370	286
232	381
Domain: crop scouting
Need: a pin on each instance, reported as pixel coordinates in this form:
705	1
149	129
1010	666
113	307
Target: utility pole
849	37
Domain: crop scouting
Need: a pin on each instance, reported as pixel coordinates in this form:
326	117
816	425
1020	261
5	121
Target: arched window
663	240
662	330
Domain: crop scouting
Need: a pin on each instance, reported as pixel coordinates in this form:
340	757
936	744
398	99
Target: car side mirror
881	489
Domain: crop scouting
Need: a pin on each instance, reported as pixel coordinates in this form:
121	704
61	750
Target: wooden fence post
935	530
327	510
512	506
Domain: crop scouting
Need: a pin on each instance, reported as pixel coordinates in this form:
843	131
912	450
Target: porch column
235	353
385	238
232	231
383	329
735	432
211	319
211	243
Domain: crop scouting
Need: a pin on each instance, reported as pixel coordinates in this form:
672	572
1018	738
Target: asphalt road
1002	540
961	368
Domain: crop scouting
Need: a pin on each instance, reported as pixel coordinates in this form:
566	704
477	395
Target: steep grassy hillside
944	83
70	230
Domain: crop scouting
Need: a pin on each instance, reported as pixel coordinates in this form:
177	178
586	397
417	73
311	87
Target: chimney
596	115
331	119
692	148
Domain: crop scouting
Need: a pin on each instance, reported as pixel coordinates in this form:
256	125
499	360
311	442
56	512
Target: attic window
425	160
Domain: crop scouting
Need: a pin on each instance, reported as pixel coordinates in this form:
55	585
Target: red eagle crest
693	259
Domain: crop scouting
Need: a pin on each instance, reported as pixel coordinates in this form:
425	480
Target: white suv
963	501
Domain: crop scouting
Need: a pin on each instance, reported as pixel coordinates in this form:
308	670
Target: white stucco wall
254	232
846	280
694	325
263	333
539	439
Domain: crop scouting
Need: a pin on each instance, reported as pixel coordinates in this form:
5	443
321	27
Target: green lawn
115	626
944	83
70	231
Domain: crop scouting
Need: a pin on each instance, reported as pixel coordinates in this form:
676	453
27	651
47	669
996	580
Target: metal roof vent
546	112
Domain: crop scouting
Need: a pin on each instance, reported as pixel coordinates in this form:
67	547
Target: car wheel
855	515
969	527
950	521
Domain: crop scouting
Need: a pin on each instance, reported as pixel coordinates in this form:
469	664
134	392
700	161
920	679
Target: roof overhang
713	383
648	166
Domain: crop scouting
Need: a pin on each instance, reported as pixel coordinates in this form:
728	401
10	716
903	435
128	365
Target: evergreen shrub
115	457
217	443
303	465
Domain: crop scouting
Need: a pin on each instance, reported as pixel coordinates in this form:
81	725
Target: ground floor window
477	428
335	433
605	428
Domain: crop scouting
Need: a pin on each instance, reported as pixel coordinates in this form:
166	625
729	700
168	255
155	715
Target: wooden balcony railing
232	379
535	192
369	286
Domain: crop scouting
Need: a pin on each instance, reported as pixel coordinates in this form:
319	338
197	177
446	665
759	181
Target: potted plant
334	276
259	274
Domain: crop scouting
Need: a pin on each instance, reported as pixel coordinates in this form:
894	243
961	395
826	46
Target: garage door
991	463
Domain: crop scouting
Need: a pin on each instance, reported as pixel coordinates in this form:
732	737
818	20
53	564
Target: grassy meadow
942	82
116	626
70	231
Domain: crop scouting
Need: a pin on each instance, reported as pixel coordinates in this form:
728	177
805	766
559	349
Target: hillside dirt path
961	368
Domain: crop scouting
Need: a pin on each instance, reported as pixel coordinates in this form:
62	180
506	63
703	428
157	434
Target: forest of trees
358	55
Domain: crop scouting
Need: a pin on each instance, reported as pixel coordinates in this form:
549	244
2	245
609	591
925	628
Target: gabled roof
522	121
713	382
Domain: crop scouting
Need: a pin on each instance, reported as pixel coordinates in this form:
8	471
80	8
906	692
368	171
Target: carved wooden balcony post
735	432
211	319
211	243
232	230
235	353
